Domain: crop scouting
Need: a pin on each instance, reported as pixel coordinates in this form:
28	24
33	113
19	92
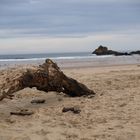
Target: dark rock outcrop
102	50
135	52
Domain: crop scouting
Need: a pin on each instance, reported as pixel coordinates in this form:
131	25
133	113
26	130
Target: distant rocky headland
102	50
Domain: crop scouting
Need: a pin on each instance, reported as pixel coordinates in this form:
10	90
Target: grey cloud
12	2
64	17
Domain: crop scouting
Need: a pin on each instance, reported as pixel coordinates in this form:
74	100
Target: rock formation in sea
135	52
102	50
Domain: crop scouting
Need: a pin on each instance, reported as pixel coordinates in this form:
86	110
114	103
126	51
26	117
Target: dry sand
113	114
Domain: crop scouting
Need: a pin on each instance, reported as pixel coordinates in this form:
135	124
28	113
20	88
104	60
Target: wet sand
113	114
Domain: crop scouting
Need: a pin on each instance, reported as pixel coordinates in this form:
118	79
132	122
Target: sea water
78	59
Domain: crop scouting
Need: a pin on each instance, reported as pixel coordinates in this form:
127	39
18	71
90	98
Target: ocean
43	56
78	59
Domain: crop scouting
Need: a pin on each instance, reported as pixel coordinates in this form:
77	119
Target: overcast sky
35	26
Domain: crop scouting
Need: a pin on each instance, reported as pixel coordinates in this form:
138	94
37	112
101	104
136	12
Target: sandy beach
69	70
112	114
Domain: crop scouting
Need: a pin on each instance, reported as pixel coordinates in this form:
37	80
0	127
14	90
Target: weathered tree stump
47	77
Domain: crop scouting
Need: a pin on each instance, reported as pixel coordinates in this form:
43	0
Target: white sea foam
67	59
14	60
54	58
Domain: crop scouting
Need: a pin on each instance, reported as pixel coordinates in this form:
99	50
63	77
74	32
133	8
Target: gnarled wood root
48	77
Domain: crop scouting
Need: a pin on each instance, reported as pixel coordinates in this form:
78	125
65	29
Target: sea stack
102	50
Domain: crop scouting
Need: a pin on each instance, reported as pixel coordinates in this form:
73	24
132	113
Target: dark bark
48	77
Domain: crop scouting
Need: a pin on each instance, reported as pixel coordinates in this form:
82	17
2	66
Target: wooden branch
48	77
23	112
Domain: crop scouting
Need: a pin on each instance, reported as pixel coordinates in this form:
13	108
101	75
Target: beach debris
75	110
38	101
47	77
22	112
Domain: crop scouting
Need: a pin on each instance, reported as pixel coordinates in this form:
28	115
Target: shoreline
27	66
80	63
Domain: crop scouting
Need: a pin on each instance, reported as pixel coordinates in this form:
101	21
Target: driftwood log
23	112
47	77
